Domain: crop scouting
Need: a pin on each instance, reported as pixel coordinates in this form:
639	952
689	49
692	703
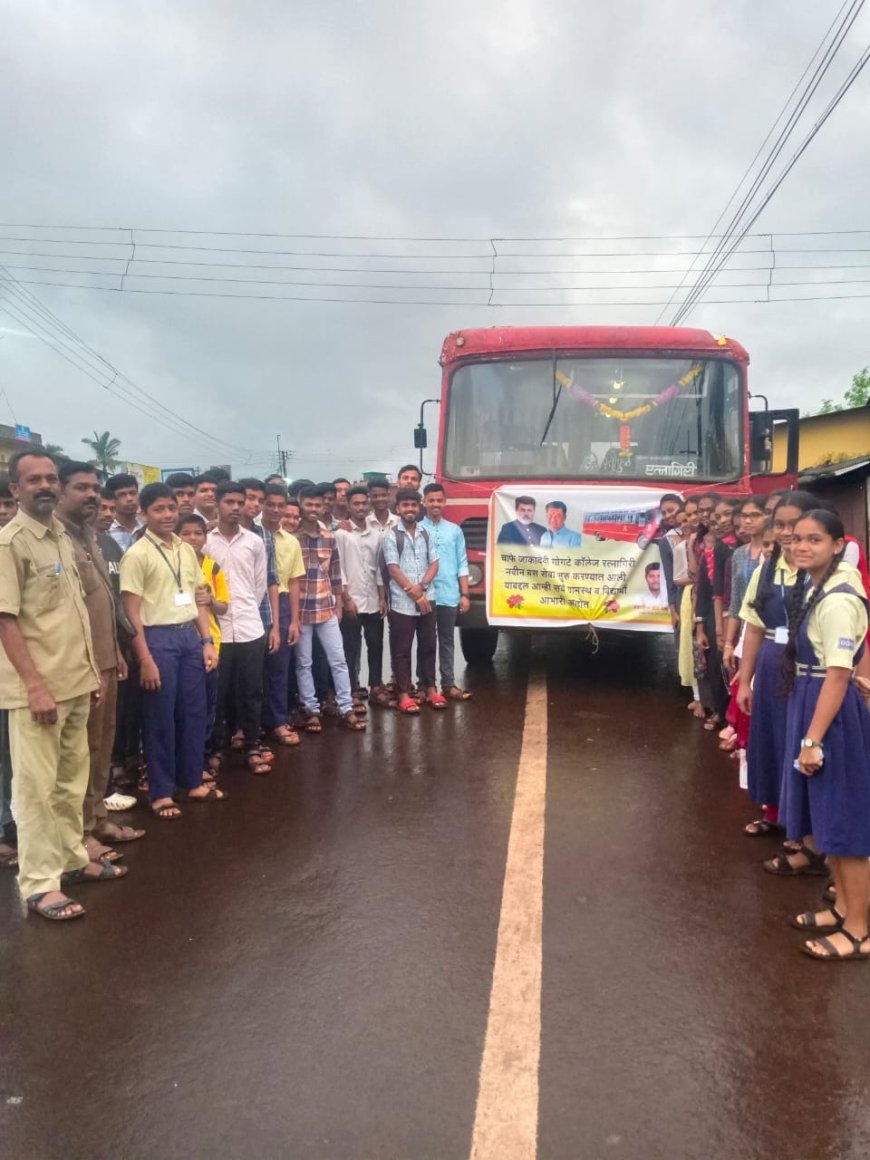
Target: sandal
257	763
237	742
352	722
454	693
713	722
165	808
382	698
359	708
122	834
832	954
407	704
311	722
437	701
107	873
54	910
285	736
829	894
816	864
761	828
214	762
808	921
208	778
214	795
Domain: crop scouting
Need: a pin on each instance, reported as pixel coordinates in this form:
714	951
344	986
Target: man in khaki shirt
77	508
47	675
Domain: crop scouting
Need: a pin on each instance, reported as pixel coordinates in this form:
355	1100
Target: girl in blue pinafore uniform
764	612
826	769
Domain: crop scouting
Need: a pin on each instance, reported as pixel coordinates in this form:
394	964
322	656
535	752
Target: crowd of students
147	636
768	597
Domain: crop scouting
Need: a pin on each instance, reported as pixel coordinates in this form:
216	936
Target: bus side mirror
421	441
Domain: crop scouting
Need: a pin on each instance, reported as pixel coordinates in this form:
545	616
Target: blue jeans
174	717
329	635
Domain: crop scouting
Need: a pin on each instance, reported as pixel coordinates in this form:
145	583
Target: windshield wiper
557	395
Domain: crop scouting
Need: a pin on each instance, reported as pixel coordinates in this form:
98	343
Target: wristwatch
808	743
207	640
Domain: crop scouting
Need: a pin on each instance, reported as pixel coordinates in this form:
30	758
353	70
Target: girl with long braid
826	776
765	615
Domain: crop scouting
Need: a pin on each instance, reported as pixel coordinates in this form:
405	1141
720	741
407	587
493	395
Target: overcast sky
542	118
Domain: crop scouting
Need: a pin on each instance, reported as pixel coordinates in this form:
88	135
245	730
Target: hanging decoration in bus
562	554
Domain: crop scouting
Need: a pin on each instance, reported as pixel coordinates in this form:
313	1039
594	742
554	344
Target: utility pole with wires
283	457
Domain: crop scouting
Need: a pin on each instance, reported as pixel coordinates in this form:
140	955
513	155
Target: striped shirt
322	582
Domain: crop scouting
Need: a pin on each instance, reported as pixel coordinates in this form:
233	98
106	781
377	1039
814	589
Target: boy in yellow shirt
192	530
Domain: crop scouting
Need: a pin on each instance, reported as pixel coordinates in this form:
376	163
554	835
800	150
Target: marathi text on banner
566	554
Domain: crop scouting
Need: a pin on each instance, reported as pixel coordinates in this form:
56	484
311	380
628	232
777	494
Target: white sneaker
120	801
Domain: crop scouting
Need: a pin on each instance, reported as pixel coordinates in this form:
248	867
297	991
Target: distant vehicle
664	407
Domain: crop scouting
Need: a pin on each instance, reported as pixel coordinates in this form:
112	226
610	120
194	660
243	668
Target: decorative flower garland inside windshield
609	412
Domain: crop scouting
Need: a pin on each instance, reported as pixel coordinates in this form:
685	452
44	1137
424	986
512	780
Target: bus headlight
475	575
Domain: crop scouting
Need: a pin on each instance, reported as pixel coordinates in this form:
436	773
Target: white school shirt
243	560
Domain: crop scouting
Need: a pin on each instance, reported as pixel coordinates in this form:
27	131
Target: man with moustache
48	674
77	508
522	530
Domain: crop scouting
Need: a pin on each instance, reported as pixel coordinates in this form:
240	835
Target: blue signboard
22	433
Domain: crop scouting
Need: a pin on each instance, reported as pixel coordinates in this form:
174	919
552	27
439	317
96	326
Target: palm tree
55	449
105	450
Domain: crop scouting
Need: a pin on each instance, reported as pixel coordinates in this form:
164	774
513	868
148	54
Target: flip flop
437	701
406	704
168	811
53	910
214	795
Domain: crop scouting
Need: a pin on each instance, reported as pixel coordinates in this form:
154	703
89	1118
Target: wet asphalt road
304	971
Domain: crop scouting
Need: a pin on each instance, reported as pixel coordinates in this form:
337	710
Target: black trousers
240	692
403	629
368	625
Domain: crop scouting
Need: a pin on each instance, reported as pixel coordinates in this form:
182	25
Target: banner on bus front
562	554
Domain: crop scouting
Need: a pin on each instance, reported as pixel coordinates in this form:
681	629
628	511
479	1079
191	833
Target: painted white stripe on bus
506	1118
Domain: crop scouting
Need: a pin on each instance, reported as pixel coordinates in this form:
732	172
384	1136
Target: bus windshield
644	418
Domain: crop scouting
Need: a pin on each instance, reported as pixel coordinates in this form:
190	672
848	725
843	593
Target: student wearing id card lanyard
159	579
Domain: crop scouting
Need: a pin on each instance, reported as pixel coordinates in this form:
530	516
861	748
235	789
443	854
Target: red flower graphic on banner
611	606
515	601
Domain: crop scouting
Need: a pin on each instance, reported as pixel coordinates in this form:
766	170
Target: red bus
600	405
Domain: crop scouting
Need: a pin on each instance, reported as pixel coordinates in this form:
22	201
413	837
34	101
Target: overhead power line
765	299
23	306
853	75
822	59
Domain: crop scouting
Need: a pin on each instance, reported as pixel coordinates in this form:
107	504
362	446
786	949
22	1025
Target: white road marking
506	1118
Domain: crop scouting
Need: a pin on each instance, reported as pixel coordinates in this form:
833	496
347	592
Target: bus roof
638	339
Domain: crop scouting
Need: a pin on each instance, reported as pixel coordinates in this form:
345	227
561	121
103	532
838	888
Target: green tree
858	395
56	450
828	407
105	449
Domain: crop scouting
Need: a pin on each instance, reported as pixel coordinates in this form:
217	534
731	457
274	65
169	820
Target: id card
183	598
780	635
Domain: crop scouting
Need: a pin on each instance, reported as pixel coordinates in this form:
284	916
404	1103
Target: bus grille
475	531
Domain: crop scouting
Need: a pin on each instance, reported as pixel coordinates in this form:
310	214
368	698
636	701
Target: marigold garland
665	396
